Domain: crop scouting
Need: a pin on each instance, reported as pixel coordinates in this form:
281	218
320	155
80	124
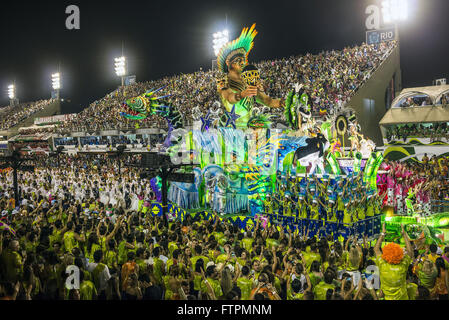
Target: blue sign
378	36
130	80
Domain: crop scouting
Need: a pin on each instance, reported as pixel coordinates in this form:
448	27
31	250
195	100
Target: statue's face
238	64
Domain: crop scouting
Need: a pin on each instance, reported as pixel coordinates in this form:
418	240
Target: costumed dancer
399	199
354	138
390	190
268	205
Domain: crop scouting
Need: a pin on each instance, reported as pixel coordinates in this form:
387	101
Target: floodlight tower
12	94
220	39
56	83
393	12
120	67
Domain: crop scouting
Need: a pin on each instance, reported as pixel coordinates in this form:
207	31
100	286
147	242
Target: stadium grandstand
330	79
11	116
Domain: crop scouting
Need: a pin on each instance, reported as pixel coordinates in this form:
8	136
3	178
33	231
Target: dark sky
169	37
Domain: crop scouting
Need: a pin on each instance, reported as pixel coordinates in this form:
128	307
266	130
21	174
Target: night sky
171	37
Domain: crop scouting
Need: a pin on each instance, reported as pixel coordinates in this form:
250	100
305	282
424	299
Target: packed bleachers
10	116
434	131
330	79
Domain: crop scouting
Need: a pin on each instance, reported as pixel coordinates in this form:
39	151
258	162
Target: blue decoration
232	117
206	122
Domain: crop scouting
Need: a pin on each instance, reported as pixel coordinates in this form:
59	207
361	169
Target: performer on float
399	199
354	137
234	92
268	205
390	189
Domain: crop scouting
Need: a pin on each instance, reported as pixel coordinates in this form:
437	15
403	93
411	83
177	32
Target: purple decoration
167	142
206	122
156	190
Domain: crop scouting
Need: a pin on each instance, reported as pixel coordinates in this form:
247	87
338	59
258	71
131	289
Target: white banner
54	119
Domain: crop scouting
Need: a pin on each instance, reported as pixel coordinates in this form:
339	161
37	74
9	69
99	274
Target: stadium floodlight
220	39
394	11
11	92
120	66
56	81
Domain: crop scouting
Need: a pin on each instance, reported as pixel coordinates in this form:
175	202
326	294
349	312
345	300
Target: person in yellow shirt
347	214
199	255
12	262
211	279
245	283
393	266
295	291
320	290
88	291
433	253
71	239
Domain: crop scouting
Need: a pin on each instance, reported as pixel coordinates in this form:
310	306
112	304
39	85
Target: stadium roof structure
416	115
434	92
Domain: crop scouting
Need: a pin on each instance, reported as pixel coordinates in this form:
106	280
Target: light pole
120	67
12	94
393	12
56	83
220	39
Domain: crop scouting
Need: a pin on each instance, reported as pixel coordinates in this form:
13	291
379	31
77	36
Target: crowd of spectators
10	116
36	130
85	215
419	101
106	141
422	101
434	131
330	79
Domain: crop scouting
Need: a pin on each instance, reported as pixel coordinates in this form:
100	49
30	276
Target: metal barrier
370	227
438	206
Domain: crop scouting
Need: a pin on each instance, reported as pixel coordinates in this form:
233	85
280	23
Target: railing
439	206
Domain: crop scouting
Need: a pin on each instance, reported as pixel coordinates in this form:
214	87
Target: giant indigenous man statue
236	91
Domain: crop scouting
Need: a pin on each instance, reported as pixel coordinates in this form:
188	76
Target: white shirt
104	276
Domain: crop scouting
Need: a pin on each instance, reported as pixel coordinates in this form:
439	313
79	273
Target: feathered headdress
240	46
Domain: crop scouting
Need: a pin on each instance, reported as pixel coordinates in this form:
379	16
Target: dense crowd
37	130
10	116
86	215
330	79
434	131
422	183
110	141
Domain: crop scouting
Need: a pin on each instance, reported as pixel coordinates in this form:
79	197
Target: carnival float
254	165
